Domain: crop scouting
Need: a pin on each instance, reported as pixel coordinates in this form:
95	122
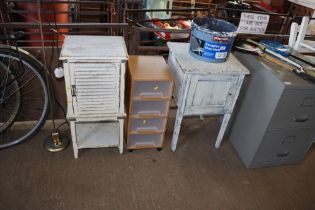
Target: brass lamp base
56	142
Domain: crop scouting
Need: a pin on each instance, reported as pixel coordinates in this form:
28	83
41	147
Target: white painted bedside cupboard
94	69
203	88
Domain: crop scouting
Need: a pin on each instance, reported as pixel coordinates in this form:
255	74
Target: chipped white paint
94	47
203	88
95	83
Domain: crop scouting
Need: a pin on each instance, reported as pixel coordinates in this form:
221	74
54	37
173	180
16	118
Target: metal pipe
60	2
23	25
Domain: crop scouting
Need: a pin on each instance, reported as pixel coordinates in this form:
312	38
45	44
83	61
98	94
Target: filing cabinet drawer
296	109
144	140
150	108
284	146
152	89
147	125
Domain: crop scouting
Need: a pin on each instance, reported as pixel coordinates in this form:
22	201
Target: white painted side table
94	69
203	88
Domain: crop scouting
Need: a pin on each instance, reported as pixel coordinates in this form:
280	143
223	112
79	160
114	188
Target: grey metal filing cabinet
275	124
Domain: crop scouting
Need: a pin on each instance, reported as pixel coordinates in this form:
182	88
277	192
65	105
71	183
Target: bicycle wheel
7	116
24	101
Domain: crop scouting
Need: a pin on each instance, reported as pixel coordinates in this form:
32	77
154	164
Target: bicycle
24	100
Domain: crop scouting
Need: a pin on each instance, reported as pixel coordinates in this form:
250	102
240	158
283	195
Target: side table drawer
296	109
97	134
145	140
152	89
149	108
147	125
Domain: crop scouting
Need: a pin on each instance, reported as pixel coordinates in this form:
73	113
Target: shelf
97	134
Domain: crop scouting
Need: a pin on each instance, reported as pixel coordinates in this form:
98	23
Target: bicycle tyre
34	65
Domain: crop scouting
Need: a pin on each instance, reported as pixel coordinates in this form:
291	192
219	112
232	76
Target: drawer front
147	125
95	88
145	140
150	108
284	146
296	109
152	89
212	93
96	134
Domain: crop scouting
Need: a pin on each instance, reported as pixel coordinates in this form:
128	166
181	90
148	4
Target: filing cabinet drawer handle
283	154
301	119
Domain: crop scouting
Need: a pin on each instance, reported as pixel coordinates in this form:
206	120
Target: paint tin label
220	39
213	50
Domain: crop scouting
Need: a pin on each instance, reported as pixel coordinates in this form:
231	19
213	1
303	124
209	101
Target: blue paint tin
211	39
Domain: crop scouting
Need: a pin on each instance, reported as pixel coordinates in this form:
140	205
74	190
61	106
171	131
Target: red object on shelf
169	35
32	17
272	8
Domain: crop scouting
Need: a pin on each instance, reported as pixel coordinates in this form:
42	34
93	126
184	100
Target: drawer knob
300	119
283	154
144	122
155	87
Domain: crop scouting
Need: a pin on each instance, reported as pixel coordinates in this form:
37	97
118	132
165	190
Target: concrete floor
196	176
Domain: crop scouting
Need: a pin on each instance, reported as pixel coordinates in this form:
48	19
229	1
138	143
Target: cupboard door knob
155	87
144	122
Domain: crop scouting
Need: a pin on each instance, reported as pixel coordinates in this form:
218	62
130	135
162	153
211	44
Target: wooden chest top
148	68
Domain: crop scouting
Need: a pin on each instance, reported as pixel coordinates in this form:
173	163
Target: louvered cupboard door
95	88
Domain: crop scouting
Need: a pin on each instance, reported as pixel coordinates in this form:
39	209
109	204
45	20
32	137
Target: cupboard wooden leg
121	136
223	127
74	140
178	122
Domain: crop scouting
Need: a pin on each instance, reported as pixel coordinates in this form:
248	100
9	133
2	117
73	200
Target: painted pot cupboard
94	69
203	88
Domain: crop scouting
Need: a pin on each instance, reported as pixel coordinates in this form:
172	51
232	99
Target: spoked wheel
8	108
24	101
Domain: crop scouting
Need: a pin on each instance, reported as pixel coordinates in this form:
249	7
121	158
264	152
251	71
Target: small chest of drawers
150	90
95	83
